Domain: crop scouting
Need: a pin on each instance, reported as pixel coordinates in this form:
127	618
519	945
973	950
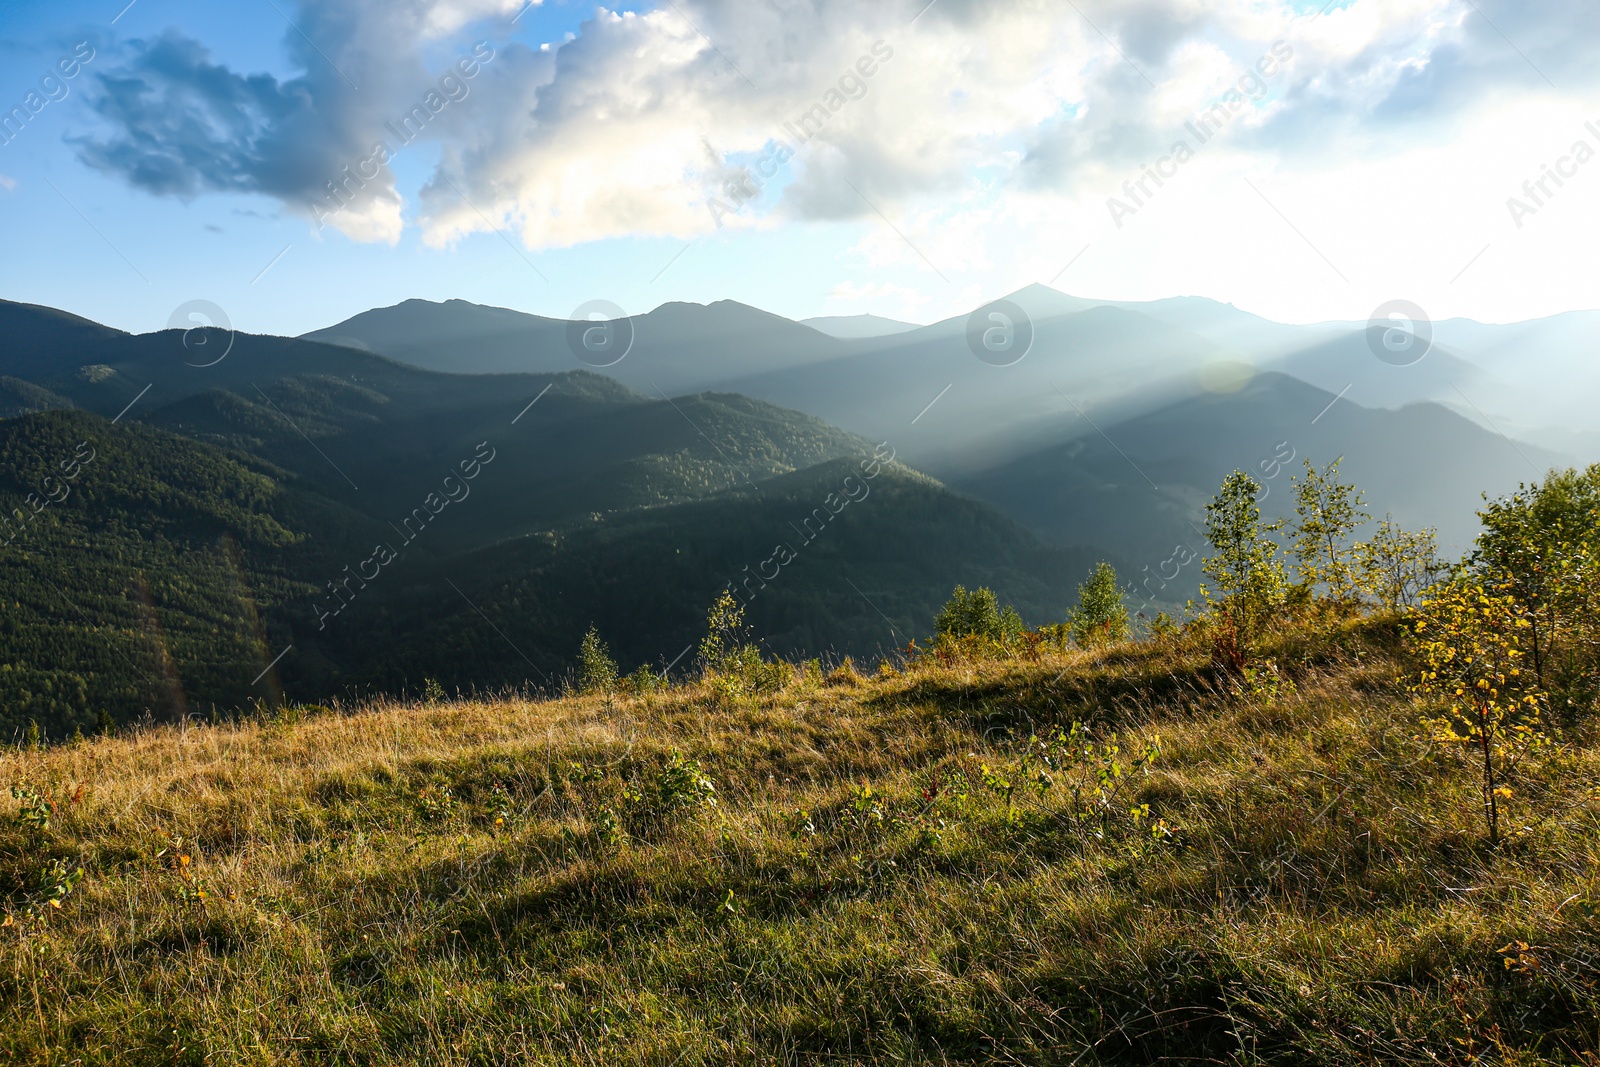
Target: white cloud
989	134
643	118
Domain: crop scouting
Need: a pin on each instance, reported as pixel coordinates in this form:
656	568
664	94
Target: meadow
931	865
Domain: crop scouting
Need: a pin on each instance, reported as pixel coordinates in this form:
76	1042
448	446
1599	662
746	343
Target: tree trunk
1491	810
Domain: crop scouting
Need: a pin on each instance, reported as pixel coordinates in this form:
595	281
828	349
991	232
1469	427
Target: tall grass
896	869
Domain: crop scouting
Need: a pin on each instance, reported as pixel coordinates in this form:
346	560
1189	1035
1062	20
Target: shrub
747	672
732	666
1083	782
725	633
681	784
642	681
1162	627
35	809
974	621
1542	545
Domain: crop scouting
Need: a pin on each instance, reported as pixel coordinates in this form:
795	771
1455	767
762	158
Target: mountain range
1427	437
456	492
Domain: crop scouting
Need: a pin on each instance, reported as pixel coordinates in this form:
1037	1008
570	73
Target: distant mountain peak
855	327
1041	301
1040	289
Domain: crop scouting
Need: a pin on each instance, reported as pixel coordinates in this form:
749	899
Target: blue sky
596	154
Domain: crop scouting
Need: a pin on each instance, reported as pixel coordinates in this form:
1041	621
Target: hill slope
168	575
1117	358
149	573
870	576
499	883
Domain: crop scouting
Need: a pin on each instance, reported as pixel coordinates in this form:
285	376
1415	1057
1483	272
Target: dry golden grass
514	881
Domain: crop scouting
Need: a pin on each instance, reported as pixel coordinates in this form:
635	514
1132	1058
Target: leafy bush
744	672
733	667
1084	782
642	681
975	613
681	784
1397	567
1541	544
725	633
35	809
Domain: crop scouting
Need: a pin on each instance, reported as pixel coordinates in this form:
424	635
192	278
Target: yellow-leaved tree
1473	643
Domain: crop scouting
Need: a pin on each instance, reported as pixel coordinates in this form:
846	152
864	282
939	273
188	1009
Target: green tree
728	661
1397	567
1249	576
978	614
1011	626
725	634
1101	617
597	671
1327	511
1540	543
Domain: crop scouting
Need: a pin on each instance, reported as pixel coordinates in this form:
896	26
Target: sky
809	157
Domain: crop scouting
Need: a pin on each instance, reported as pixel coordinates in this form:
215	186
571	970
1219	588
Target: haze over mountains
1094	366
1533	380
268	514
854	327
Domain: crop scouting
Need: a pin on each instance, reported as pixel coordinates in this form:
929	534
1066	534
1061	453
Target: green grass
516	882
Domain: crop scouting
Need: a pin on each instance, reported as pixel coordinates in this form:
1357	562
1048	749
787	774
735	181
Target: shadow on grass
1033	697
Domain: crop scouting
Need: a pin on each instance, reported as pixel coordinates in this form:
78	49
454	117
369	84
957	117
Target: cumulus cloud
654	123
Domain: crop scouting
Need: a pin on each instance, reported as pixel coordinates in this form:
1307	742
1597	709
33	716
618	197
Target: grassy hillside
879	879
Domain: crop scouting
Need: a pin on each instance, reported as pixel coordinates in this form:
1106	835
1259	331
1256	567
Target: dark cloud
178	123
182	125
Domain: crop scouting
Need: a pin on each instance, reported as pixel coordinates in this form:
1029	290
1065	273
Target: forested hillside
143	572
315	535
